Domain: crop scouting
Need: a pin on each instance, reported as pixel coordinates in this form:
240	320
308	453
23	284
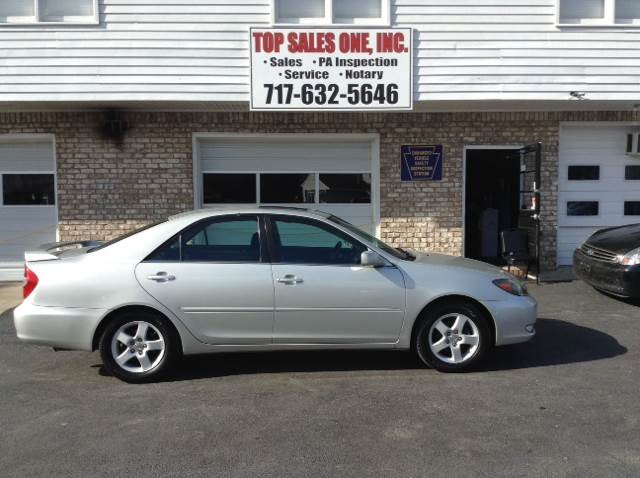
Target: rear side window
220	240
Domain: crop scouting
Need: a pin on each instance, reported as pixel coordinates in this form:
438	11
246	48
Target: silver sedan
230	280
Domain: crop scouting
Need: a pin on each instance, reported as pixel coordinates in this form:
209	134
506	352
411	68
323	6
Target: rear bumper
63	327
514	318
610	277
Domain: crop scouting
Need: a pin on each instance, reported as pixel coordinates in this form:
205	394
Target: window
582	208
28	190
345	188
301	241
584	173
627	11
632	208
632	173
598	12
287	188
48	11
331	11
222	240
229	189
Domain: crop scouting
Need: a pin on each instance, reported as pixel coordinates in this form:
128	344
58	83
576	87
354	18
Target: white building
116	112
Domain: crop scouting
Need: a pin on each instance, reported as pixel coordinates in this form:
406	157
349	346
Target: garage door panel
24	227
17	156
582	138
296	155
289	156
593	145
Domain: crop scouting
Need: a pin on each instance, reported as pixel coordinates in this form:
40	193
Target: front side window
47	11
28	190
222	240
302	241
331	11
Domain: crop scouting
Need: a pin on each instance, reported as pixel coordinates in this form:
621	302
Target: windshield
395	252
124	236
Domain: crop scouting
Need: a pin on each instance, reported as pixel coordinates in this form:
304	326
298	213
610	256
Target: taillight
30	282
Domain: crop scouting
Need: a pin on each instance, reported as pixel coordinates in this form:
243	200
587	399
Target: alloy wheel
454	338
138	347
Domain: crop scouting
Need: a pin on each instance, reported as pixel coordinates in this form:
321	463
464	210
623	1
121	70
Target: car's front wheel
138	346
453	337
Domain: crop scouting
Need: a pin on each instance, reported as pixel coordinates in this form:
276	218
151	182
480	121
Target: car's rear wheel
138	346
453	337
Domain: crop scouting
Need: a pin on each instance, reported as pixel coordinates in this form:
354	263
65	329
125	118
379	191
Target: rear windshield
124	236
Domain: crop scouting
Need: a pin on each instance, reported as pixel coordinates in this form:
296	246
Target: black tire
165	363
421	338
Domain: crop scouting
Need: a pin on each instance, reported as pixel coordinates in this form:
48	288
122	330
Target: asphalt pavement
565	404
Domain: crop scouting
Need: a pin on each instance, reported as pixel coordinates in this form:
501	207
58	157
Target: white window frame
71	20
609	20
328	19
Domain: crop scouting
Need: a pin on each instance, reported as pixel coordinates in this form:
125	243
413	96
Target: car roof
219	210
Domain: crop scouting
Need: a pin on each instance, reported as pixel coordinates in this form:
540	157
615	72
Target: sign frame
410	33
437	171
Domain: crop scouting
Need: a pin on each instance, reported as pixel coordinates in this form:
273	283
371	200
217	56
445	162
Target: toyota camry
249	279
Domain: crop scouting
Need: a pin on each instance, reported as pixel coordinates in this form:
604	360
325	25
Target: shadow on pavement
557	342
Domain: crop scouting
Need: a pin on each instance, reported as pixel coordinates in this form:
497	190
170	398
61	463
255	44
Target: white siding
602	145
197	51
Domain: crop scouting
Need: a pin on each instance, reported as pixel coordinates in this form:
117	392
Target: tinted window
230	240
345	188
582	208
584	173
229	188
632	172
632	208
287	188
27	189
168	252
300	241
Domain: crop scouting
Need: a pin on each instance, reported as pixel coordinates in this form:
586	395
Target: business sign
421	163
331	69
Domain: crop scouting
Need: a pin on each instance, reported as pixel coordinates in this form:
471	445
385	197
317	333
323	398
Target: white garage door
330	175
28	215
599	185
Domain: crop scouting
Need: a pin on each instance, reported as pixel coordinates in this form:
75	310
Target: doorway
492	196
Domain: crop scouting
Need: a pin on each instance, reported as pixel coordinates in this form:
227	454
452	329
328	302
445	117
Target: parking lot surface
566	404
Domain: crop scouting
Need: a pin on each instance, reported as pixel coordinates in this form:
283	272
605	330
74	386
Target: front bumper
514	318
617	279
63	327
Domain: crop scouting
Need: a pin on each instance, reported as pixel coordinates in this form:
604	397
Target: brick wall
106	188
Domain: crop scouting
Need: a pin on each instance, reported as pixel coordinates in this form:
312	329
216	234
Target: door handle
290	279
161	277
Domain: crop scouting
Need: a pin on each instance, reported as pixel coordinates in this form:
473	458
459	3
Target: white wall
197	51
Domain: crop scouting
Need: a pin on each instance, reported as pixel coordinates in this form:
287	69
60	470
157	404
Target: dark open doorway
492	196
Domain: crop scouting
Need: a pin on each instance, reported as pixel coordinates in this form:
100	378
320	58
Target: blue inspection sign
421	163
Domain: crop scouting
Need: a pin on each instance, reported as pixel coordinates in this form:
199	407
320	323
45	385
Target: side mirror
372	259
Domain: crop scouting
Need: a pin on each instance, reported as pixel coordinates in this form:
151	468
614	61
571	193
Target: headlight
630	258
511	286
